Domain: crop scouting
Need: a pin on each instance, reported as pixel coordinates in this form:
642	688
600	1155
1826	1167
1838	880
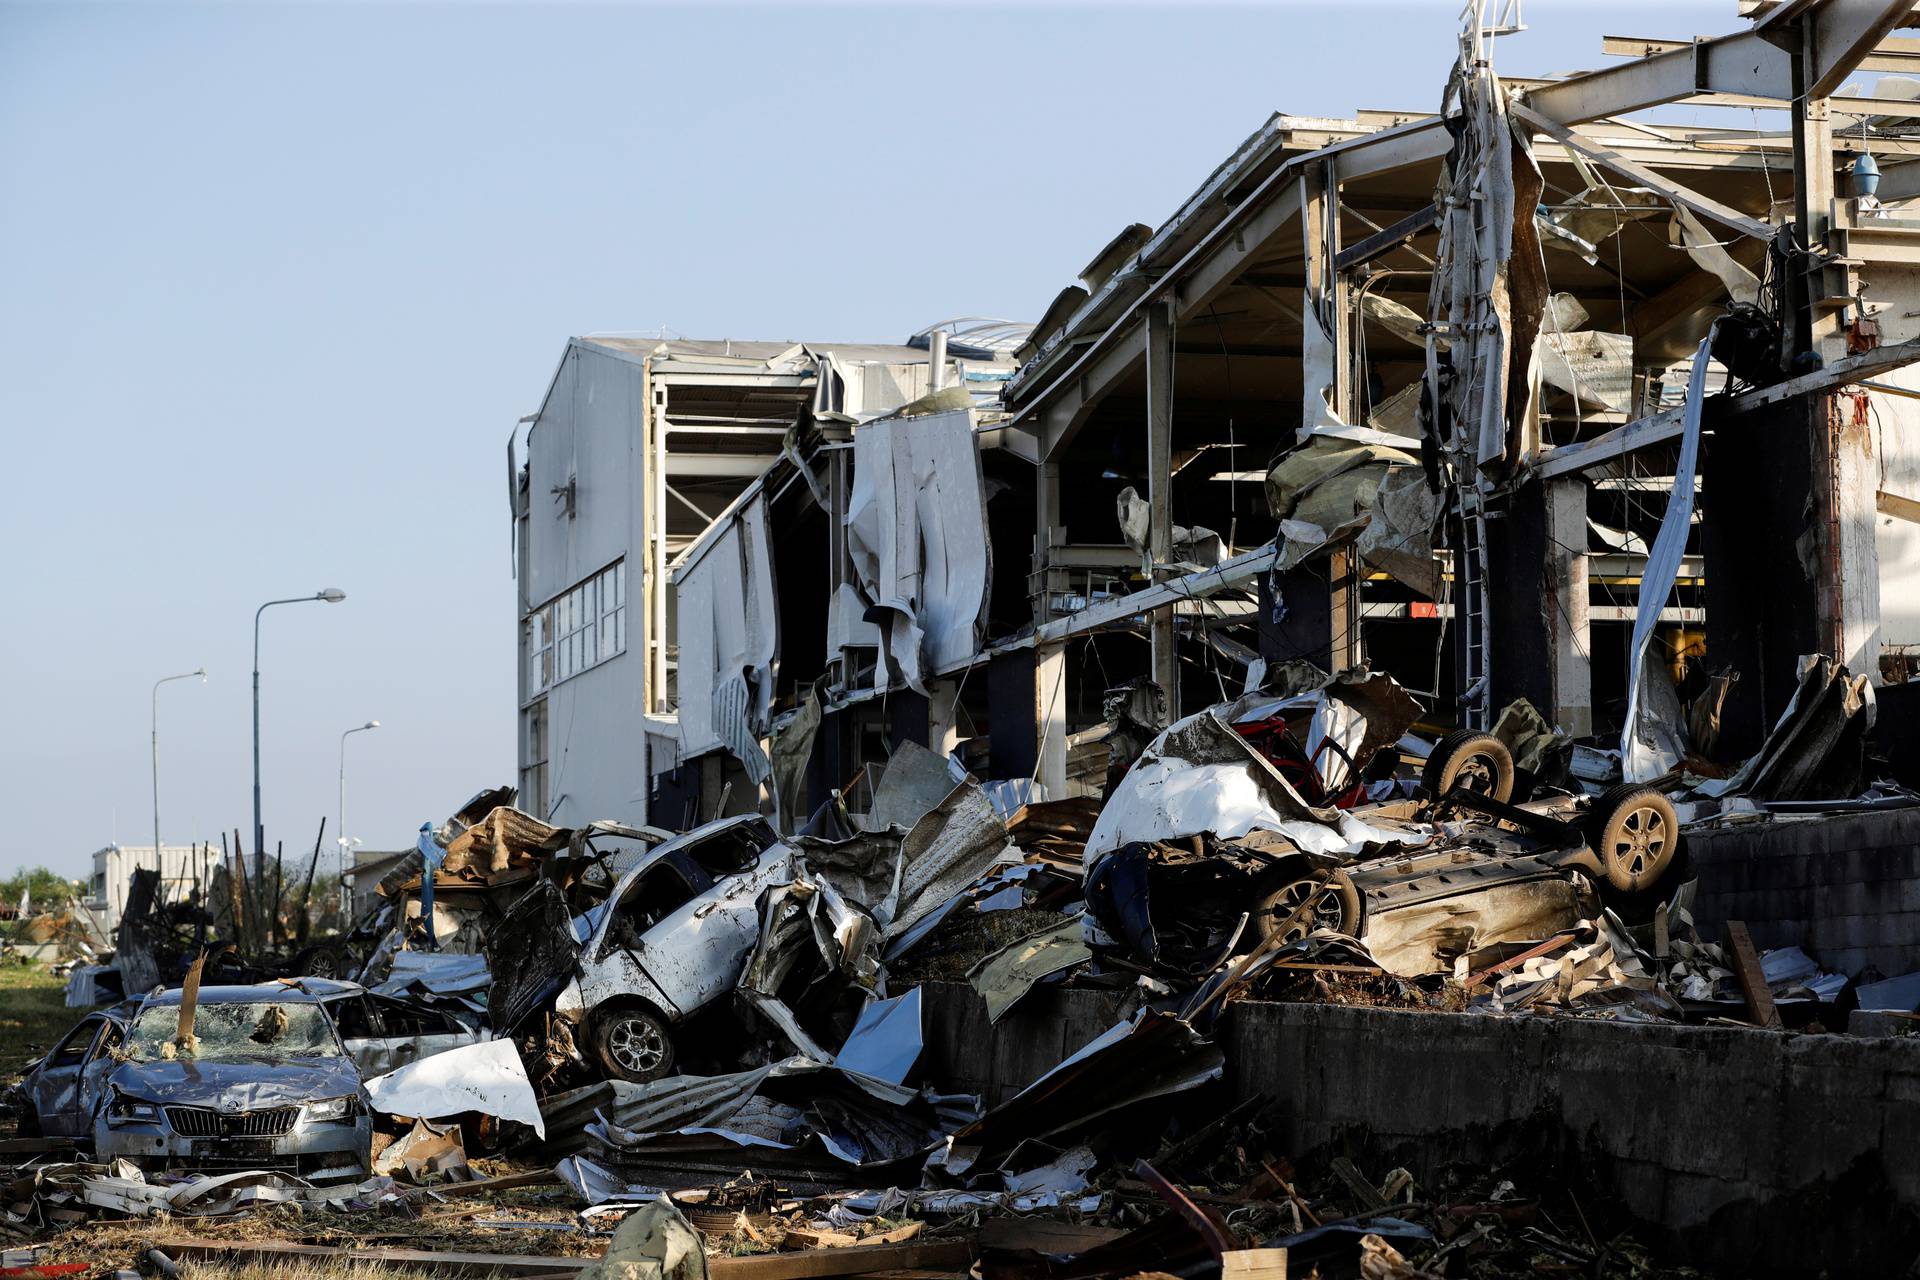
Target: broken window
656	893
731	851
74	1048
240	1030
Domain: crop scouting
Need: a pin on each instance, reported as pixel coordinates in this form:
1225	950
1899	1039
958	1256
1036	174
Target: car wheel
1635	834
632	1044
325	960
1336	906
1479	762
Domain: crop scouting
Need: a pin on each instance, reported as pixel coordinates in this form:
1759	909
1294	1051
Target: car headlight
330	1109
125	1110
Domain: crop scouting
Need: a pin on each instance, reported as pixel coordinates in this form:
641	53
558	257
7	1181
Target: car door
55	1090
696	952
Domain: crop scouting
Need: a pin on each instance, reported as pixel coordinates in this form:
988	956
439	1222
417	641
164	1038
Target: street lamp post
331	595
346	847
184	675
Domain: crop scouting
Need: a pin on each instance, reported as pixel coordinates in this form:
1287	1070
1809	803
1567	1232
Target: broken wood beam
1753	982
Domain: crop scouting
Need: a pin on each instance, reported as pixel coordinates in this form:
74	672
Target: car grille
198	1122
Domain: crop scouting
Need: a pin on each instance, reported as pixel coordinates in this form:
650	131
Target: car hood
245	1084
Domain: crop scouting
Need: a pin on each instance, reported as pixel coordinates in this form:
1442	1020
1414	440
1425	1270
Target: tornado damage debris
1494	850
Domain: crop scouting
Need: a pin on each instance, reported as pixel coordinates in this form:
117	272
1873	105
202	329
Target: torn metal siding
729	638
917	533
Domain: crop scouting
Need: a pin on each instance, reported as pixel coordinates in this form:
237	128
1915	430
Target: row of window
579	628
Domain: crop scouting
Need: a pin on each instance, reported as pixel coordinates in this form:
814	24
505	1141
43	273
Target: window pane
620	583
608	647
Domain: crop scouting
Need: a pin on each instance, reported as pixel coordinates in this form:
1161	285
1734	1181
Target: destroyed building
641	445
1213	456
1378	725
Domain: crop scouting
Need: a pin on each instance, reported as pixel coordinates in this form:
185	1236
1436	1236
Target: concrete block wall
969	1054
1845	887
1757	1153
1761	1154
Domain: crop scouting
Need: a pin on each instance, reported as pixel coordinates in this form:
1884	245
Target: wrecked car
251	1077
671	938
55	1096
1208	848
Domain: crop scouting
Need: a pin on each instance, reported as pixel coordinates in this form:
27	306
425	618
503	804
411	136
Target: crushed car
670	938
62	1095
1237	827
249	1077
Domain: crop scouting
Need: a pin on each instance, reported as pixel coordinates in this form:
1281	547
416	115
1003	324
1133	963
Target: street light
346	846
331	595
184	675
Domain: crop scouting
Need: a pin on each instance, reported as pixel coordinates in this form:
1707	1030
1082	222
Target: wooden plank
1753	983
33	1146
1044	1235
933	1255
1892	504
1254	1264
1365	1192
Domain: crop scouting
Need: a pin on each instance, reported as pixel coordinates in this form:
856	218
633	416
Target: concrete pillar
1569	628
1160	623
1050	718
1847	481
943	714
1046	532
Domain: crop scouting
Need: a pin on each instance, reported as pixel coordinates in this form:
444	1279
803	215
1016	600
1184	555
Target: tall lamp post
346	846
184	675
332	595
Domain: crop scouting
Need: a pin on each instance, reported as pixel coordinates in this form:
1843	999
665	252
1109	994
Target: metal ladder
1470	604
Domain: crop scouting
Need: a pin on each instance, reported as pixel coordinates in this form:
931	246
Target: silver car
671	938
263	1083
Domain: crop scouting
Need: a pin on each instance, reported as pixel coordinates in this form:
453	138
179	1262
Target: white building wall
588	433
183	869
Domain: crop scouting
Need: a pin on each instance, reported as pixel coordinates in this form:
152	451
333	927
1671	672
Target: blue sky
276	281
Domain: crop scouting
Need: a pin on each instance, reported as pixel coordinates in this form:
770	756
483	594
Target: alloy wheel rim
637	1044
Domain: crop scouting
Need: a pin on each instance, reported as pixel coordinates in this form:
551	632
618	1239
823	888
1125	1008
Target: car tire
27	1123
323	960
1338	909
632	1043
1635	833
1467	758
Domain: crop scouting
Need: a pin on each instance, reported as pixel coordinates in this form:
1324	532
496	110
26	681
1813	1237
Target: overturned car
1208	847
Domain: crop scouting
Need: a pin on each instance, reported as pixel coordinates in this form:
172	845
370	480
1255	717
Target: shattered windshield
226	1031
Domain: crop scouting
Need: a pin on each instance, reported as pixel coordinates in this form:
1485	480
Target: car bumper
311	1149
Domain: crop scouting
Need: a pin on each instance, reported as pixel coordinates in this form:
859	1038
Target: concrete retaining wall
1758	1153
1845	887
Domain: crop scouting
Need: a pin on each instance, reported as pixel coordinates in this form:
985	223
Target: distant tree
47	889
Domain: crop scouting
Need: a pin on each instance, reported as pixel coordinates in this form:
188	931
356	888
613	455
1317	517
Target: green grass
33	1014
